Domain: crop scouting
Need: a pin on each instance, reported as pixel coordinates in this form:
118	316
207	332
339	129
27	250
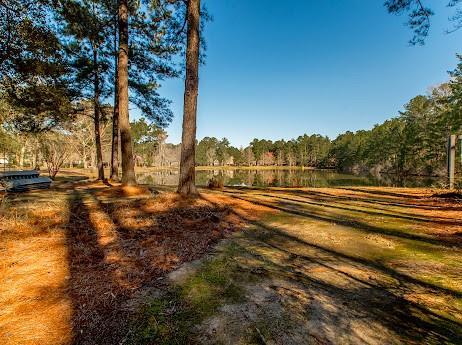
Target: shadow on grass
121	247
89	273
396	215
371	199
375	200
379	302
382	192
348	222
117	248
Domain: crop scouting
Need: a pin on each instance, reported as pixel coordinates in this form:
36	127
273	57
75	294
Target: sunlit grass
341	242
81	250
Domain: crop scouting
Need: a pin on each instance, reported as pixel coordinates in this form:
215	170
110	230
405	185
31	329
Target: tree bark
115	120
99	153
128	166
186	185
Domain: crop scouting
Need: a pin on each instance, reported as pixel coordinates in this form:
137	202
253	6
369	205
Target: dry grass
34	273
72	258
119	191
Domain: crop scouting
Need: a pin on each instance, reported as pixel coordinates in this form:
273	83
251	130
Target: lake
285	178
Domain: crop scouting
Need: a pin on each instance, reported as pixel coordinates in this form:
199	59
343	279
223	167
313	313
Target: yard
88	263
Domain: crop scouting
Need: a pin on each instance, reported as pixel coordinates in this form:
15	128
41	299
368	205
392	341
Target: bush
215	183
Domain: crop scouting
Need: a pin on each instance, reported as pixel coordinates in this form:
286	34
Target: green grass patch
171	318
166	320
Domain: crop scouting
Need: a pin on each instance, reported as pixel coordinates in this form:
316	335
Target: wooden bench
20	181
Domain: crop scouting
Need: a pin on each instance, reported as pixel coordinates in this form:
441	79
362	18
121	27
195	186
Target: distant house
4	161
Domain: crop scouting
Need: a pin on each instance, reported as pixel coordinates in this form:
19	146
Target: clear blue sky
278	69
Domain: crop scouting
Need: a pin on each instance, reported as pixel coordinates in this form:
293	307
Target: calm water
285	178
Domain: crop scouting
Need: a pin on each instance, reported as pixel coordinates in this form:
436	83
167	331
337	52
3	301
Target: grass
34	271
78	264
331	269
167	320
170	319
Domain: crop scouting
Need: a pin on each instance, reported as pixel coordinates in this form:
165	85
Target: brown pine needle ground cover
72	257
85	263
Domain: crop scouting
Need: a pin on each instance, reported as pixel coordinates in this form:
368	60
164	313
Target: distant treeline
303	151
414	142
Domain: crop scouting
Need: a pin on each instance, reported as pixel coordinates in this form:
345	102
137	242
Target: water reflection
285	178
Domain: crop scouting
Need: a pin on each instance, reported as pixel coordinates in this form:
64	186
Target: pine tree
186	185
87	27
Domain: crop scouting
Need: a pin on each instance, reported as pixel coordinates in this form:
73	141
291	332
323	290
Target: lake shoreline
280	176
232	167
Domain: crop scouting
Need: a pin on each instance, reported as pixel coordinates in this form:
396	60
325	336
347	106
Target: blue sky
278	69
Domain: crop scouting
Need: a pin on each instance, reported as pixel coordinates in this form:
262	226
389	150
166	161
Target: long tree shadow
89	271
118	250
396	215
370	199
374	203
353	223
383	192
424	205
341	296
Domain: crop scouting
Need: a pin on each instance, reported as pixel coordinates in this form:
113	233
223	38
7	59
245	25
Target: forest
69	72
412	143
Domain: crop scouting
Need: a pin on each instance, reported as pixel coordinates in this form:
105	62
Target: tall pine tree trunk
99	153
186	185
115	119
128	167
115	140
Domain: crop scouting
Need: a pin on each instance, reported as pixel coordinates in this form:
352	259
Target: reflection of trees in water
163	178
286	178
268	177
407	181
279	178
258	179
250	178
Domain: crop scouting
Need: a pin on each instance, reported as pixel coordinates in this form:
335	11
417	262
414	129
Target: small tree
55	151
